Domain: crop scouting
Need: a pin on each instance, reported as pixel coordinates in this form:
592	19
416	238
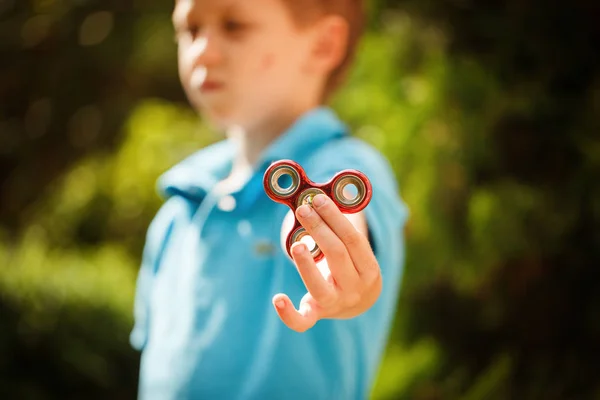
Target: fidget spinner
286	182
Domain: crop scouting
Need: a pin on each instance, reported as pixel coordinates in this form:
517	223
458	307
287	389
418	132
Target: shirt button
244	228
226	203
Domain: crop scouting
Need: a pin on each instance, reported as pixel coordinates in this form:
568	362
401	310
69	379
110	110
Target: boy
214	314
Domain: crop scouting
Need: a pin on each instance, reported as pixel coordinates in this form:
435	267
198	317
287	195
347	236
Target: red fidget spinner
299	190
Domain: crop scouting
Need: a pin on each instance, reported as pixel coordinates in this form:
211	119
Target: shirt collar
309	132
195	176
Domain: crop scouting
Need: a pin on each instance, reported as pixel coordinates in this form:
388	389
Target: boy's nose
205	50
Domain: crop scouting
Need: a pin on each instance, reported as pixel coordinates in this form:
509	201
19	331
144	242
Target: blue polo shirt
212	262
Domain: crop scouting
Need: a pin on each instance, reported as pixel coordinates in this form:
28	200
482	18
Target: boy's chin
218	119
225	119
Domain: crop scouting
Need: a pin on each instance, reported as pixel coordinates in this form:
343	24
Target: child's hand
347	282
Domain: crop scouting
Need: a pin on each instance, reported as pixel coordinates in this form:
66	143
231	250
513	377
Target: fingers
349	259
298	320
311	276
355	242
338	259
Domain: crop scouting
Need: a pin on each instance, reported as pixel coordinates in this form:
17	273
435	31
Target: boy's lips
210	86
200	81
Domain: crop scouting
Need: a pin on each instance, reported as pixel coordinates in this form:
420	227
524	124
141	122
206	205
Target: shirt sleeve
156	236
386	213
363	339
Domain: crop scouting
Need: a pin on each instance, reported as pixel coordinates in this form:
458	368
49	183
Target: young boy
214	313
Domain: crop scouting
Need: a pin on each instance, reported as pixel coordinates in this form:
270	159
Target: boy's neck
253	141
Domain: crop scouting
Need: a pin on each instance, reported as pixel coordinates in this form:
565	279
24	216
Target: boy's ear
331	42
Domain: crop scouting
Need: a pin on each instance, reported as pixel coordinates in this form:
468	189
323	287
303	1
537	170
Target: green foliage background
488	112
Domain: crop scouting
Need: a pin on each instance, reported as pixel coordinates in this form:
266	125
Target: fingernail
280	304
299	249
318	200
304	211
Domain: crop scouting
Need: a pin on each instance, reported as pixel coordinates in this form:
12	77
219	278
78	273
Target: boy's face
240	60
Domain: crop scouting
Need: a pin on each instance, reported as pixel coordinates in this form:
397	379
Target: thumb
298	320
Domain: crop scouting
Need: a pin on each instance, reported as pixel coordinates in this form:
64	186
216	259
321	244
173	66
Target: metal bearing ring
297	236
340	185
277	173
307	196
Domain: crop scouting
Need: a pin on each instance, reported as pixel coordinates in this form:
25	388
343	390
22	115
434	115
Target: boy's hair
305	12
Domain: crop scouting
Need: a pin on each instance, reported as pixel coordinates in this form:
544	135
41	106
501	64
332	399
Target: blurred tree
70	73
523	87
